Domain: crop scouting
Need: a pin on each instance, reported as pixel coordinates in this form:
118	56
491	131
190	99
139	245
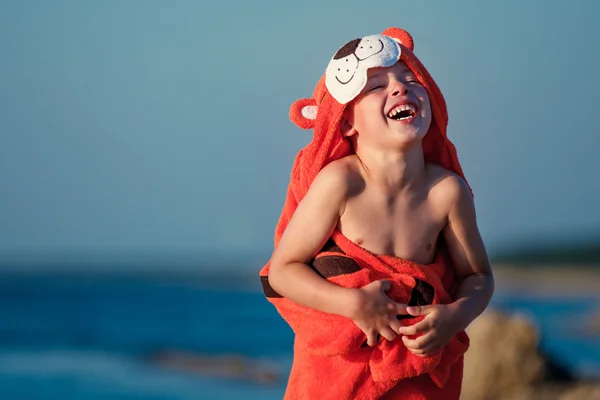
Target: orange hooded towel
331	359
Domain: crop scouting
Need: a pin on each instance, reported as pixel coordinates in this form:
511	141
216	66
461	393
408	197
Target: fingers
423	346
372	339
427	352
401	309
431	349
395	325
388	333
417	311
413	346
411	330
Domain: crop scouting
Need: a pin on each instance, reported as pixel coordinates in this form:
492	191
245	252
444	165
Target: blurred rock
593	327
503	359
222	366
505	363
583	391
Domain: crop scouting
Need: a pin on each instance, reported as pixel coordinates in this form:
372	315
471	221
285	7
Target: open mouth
403	112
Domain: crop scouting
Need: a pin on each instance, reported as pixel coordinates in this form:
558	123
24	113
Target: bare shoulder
317	214
447	187
340	177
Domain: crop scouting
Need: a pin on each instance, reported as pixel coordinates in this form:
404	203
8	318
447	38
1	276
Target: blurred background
144	159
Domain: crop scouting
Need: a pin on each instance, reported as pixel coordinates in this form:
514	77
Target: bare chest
405	228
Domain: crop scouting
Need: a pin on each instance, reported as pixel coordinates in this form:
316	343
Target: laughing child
379	265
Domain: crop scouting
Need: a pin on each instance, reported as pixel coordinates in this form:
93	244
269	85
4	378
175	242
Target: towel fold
324	340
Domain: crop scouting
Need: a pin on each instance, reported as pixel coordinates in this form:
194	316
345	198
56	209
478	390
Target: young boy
380	184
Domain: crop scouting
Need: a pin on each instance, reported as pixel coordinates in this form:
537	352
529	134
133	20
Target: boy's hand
435	330
375	313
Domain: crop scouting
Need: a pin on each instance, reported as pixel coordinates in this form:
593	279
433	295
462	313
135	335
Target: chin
410	132
403	142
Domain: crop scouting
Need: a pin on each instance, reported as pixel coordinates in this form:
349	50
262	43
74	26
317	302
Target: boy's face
392	109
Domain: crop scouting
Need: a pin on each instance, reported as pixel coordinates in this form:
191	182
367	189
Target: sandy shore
548	280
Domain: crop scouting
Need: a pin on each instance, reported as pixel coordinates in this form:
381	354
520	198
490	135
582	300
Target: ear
303	113
346	128
401	36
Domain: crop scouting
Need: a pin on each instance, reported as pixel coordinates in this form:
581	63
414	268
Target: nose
399	89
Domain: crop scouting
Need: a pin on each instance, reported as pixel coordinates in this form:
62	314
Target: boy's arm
310	227
468	256
472	269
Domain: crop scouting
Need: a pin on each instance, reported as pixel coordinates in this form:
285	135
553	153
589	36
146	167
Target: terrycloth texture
331	349
330	361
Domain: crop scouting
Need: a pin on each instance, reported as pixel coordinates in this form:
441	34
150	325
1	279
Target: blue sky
150	126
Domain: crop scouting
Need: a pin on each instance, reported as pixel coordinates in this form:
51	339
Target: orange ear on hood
303	113
402	36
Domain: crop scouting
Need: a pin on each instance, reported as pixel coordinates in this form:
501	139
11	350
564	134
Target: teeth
403	107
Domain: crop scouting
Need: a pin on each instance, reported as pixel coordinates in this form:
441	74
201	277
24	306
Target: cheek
426	106
368	113
359	118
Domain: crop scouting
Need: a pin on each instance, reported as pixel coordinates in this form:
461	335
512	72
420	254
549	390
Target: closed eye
375	88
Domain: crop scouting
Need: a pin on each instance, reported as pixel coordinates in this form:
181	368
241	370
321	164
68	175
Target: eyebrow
376	75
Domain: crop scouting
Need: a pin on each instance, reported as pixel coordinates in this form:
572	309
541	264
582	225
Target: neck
395	170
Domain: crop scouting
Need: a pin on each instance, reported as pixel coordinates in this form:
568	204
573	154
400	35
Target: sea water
66	337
